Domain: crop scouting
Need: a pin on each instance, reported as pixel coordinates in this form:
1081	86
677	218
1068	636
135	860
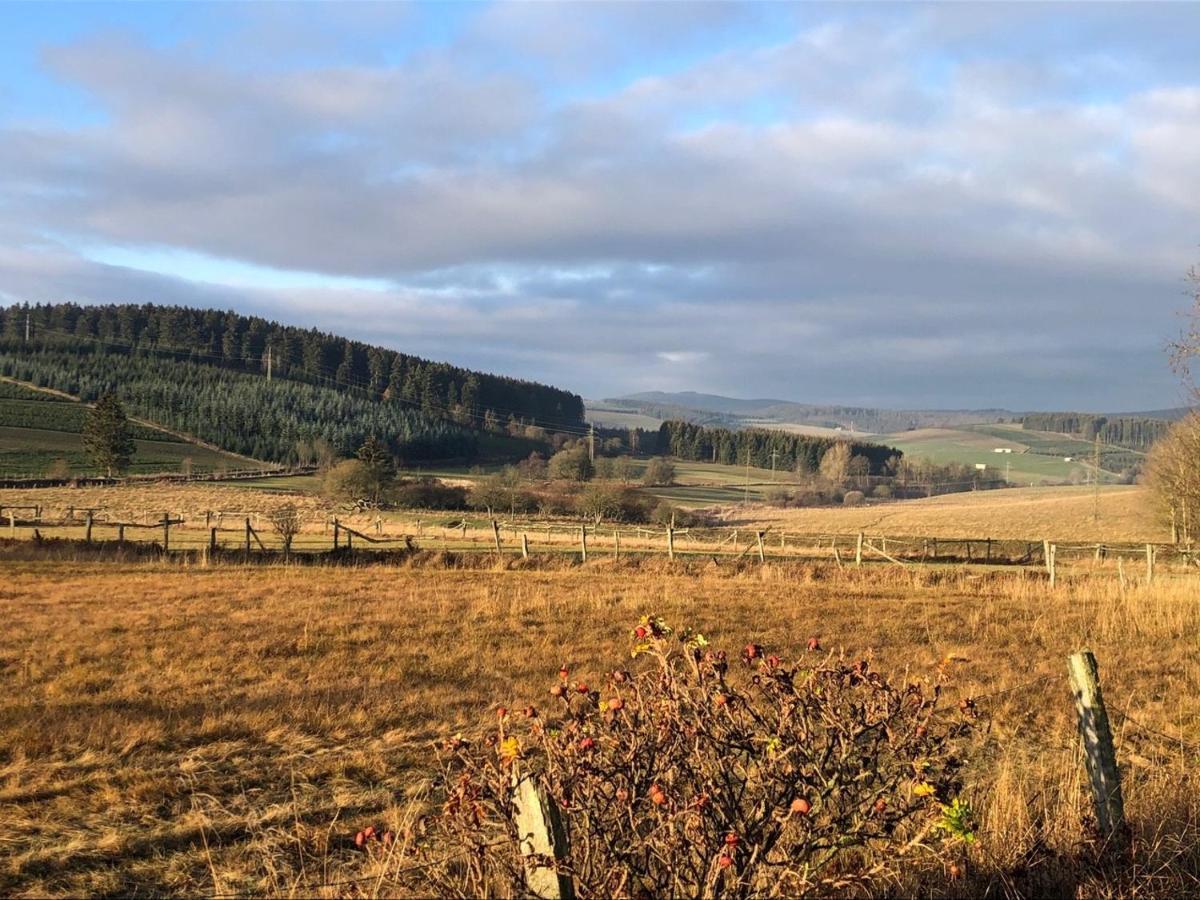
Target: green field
40	434
1037	457
620	418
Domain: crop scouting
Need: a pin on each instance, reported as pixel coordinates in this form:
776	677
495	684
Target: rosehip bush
701	774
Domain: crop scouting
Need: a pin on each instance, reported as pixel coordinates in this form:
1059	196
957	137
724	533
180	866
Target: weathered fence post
1052	563
735	540
248	538
87	534
120	534
583	543
1149	563
336	534
1098	752
524	545
166	524
543	837
670	542
858	550
212	540
762	555
1046	554
12	524
496	535
616	544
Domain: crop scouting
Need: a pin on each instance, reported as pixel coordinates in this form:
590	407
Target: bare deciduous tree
1173	473
286	521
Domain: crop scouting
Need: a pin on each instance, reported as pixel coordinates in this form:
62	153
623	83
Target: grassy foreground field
224	731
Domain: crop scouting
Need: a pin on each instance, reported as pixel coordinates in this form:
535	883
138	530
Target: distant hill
268	390
762	412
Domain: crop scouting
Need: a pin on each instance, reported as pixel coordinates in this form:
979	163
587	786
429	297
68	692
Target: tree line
1135	432
792	452
243	343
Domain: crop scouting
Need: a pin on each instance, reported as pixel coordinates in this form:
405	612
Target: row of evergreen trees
243	413
245	343
1136	432
793	452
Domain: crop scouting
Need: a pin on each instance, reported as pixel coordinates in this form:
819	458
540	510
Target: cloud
906	205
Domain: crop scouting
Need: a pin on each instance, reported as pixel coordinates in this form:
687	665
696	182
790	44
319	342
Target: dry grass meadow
226	730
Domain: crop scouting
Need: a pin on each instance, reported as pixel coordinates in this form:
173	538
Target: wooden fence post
87	535
735	537
762	555
212	540
1098	752
543	837
616	544
1046	554
670	542
496	535
1052	562
166	524
12	524
858	550
583	543
1149	563
524	545
336	536
248	538
120	534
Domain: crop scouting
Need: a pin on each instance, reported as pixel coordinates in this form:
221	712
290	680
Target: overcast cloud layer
909	206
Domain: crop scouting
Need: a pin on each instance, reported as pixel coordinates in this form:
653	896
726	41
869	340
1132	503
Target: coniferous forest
204	372
793	452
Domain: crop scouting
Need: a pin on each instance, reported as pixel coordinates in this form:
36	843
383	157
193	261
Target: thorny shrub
704	775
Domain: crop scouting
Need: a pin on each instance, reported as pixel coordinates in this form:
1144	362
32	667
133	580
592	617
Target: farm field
33	451
226	731
1037	456
620	418
1127	513
966	447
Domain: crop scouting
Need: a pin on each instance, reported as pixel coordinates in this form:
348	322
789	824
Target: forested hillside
1135	432
793	452
204	372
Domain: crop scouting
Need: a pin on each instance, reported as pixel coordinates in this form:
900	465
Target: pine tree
107	436
380	468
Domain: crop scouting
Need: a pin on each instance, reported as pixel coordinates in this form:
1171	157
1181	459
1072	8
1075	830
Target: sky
904	205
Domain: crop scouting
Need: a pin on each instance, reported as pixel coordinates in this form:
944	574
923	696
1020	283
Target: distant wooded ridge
1136	430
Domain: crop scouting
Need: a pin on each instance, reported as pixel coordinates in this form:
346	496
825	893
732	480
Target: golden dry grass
1127	513
223	730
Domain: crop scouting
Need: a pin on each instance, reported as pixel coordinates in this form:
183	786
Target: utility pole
592	441
268	363
746	496
27	317
774	454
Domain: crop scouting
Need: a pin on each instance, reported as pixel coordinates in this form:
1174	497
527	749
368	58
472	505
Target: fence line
517	537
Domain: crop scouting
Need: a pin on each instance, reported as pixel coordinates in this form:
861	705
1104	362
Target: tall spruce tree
379	465
107	437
